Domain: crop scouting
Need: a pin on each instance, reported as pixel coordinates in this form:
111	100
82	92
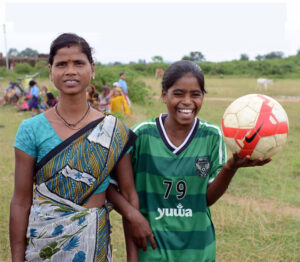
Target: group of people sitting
36	101
110	101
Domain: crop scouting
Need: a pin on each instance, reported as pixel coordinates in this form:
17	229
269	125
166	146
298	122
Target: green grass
258	219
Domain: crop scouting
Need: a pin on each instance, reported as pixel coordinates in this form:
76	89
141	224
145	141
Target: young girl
104	100
67	153
118	102
180	168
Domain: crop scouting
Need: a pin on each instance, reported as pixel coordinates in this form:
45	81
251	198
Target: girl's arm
20	204
220	184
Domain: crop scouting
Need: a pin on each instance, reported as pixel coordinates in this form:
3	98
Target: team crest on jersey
202	165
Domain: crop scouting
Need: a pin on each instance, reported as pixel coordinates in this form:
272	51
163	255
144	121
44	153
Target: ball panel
279	113
272	152
280	139
256	154
247	118
265	144
255	103
230	120
233	146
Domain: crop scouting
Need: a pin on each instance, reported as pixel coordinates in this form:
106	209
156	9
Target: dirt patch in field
265	205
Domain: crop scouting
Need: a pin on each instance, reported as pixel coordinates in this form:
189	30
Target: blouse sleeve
25	139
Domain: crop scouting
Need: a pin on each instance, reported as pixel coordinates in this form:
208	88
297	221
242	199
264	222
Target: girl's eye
197	94
178	94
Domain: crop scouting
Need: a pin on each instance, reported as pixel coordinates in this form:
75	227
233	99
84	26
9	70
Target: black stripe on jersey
161	132
190	138
163	137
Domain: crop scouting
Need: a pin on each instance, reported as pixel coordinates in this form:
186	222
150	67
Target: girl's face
184	100
71	71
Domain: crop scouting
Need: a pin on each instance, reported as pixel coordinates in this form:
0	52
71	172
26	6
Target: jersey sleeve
25	139
218	156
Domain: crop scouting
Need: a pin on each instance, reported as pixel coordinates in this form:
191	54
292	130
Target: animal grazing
159	72
263	82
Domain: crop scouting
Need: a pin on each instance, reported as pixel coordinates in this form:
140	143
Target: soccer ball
255	125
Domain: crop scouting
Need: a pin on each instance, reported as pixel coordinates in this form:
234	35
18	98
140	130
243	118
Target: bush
41	67
23	68
138	92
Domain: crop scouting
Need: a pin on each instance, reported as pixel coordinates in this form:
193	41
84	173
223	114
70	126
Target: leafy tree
28	52
274	55
12	52
244	57
259	57
157	59
194	56
142	61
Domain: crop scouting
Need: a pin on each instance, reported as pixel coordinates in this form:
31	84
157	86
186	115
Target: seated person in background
91	90
104	99
12	94
50	101
24	106
118	102
95	104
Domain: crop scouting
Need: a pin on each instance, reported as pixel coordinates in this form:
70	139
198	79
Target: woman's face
184	100
71	71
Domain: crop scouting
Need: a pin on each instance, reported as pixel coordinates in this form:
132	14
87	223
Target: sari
60	228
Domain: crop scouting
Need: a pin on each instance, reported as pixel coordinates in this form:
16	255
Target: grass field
258	219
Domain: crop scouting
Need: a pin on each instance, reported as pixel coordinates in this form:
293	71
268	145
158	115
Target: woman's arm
220	184
20	204
140	229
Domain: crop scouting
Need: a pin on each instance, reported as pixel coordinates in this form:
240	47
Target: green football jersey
171	183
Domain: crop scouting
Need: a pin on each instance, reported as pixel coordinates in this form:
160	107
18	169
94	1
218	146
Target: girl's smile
184	100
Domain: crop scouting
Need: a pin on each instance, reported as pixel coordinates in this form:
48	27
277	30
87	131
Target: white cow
263	82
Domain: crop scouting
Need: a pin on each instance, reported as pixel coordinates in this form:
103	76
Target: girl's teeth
185	110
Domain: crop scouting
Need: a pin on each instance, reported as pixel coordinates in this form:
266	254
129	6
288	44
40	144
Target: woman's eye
79	63
61	64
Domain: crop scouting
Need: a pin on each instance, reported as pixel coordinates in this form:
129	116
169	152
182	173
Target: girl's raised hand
236	161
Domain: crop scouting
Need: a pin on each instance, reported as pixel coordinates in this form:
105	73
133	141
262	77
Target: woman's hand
140	230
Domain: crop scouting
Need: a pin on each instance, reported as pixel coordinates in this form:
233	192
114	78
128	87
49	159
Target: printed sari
60	228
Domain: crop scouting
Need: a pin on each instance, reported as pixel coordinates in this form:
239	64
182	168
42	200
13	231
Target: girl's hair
50	96
67	40
180	69
32	83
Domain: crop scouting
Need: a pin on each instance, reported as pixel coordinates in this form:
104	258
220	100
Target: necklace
70	125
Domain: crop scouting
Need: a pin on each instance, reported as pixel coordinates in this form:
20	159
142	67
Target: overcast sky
130	30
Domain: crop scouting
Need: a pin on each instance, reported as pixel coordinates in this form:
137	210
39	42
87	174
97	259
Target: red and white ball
255	125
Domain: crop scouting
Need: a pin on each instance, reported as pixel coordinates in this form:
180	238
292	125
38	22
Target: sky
125	31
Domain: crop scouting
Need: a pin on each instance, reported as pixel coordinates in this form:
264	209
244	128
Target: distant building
16	59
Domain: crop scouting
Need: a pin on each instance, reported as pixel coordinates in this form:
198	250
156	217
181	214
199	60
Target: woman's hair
67	40
180	69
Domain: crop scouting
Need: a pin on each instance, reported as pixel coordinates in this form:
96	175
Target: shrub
23	68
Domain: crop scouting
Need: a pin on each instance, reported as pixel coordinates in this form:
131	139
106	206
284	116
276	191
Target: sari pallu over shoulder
60	227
